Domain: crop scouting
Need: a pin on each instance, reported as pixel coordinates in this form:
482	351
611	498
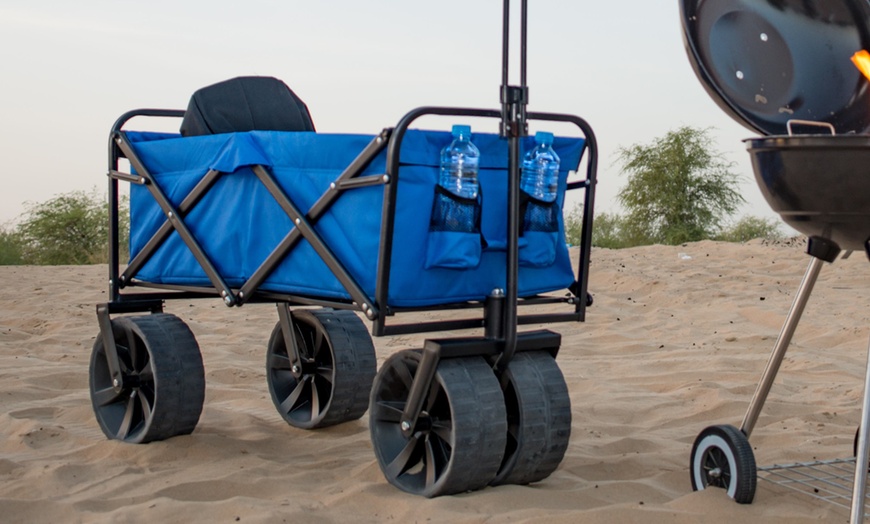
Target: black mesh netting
541	216
456	214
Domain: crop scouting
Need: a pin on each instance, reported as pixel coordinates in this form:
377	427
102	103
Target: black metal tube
512	275
108	336
166	229
493	315
171	213
344	182
171	113
316	242
114	156
523	83
112	243
419	387
505	43
581	287
285	318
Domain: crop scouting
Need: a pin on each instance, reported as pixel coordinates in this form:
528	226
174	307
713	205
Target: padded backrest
245	103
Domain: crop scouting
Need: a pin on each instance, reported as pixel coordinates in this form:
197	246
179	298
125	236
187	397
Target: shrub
69	229
750	227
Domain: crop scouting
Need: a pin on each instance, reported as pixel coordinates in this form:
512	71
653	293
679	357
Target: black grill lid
766	62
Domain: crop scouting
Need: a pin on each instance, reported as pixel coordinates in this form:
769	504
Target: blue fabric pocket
540	233
455	241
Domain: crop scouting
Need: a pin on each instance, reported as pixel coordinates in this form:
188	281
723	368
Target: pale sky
69	69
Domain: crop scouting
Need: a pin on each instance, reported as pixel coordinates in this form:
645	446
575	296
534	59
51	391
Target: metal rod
779	349
156	240
524	12
285	317
859	487
323	204
108	336
862	455
114	156
113	243
513	259
419	388
505	42
493	315
306	228
172	214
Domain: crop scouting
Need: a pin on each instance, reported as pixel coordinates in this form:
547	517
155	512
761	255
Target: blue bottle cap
544	137
461	130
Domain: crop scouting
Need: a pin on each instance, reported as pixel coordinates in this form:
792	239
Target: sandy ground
676	341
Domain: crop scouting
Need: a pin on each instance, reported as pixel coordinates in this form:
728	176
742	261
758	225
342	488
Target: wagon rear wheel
163	381
458	440
539	418
332	382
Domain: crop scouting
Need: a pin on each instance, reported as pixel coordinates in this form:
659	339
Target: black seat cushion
245	103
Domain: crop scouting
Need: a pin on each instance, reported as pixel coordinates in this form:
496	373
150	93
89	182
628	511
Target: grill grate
828	480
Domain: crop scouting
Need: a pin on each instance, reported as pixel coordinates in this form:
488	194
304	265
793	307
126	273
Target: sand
676	341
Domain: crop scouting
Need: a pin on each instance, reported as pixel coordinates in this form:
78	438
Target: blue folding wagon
250	204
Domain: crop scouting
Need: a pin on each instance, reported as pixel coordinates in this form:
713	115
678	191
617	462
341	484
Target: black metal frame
500	317
376	310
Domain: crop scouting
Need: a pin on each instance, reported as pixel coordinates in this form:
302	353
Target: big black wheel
163	381
334	378
722	458
459	438
539	418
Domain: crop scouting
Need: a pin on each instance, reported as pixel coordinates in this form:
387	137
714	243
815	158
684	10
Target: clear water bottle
459	164
540	177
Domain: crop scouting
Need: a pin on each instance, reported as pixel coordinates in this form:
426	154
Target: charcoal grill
787	69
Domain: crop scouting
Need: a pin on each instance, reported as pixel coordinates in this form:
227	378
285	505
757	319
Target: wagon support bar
349	179
306	228
176	222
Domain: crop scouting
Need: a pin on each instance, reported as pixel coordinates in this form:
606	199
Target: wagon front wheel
163	386
458	440
539	418
723	458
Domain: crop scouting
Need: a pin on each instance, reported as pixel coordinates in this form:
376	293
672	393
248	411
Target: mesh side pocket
540	232
454	239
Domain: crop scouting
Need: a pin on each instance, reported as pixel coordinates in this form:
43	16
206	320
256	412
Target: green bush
751	227
608	229
10	248
678	189
66	230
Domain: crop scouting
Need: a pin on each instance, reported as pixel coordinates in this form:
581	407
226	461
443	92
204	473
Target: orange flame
861	59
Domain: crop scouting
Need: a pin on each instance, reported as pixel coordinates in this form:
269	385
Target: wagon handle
809	123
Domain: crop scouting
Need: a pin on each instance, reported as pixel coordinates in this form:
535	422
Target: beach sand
676	341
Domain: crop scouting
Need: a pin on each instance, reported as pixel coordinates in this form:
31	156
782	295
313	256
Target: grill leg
863	455
791	322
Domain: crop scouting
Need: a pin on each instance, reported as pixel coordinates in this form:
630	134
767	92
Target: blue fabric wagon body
238	223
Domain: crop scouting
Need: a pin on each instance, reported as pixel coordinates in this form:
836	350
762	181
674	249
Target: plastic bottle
459	164
540	177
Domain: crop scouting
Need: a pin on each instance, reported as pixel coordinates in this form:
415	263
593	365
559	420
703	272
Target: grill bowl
818	184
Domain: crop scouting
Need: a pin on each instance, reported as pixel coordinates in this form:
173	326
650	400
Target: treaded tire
460	435
539	418
164	382
722	458
335	378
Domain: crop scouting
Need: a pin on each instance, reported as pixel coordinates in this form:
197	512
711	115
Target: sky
69	69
